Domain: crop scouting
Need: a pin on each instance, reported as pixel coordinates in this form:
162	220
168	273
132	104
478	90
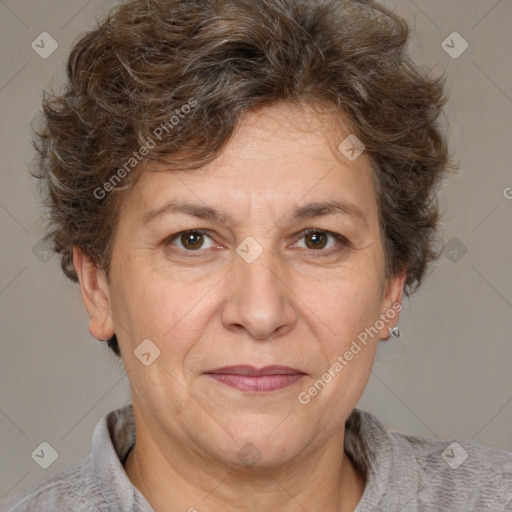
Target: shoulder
427	473
72	489
459	474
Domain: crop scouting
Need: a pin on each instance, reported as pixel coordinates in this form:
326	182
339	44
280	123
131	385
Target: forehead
279	158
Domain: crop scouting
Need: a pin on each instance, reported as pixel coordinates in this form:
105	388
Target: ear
391	304
95	295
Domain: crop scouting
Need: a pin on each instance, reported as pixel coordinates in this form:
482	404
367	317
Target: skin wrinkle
261	77
122	85
285	308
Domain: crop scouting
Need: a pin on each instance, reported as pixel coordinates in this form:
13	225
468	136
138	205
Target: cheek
347	307
138	301
162	308
350	300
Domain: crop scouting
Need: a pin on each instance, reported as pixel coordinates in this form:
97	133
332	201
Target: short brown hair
149	59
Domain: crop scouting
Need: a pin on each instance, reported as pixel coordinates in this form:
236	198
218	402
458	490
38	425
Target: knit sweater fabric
404	473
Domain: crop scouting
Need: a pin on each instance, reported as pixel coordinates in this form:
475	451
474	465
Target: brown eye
190	241
317	239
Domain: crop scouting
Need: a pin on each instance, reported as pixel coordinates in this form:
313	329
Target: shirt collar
112	439
370	447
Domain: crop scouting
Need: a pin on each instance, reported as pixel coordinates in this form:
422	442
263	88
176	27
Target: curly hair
150	63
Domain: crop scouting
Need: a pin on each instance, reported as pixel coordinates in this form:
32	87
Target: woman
244	190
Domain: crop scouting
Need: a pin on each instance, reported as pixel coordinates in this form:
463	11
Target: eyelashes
341	243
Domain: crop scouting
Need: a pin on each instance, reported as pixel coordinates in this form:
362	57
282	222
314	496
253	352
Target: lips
256	380
251	370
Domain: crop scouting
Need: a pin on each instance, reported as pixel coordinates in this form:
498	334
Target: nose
260	294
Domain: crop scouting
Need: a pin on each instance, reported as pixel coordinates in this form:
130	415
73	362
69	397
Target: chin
260	442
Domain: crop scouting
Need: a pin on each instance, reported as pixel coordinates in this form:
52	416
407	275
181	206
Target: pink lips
249	378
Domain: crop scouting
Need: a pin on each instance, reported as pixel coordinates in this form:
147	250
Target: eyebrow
298	213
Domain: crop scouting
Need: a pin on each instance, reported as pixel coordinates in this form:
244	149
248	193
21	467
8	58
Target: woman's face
254	290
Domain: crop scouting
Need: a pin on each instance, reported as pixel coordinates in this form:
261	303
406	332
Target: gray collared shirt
403	473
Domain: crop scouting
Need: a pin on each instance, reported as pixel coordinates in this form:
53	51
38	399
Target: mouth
251	379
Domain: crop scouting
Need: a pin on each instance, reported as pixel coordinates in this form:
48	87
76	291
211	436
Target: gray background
451	375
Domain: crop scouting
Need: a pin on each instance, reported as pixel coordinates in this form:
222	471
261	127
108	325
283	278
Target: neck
324	481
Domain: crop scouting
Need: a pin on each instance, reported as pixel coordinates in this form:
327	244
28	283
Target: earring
394	332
